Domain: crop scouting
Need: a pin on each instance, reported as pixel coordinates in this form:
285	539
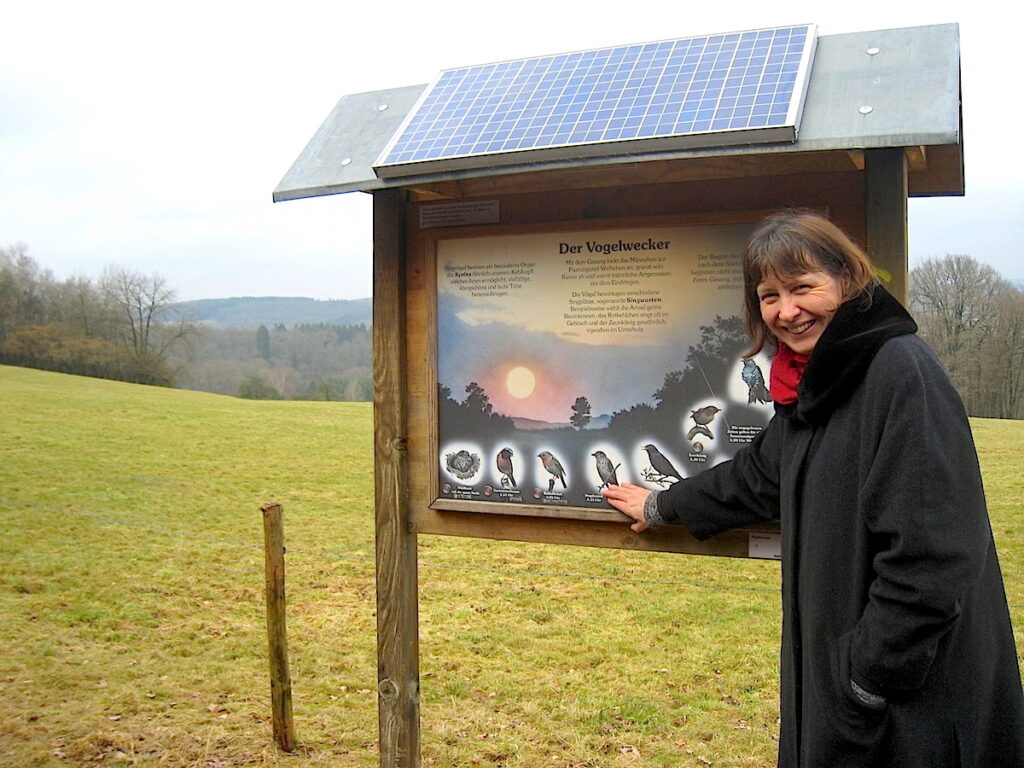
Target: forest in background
128	326
306	361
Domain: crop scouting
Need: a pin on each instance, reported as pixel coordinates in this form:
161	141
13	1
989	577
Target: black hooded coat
890	576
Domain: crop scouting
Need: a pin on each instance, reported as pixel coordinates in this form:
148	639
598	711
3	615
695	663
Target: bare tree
1006	356
82	307
145	305
966	311
24	290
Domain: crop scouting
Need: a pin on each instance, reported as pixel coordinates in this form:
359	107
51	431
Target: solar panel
712	90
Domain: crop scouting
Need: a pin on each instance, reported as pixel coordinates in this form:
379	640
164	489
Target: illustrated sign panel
570	360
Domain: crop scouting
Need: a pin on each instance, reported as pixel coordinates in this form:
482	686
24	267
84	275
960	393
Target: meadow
132	627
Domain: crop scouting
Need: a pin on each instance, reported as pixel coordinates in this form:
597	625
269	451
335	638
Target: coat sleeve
741	491
923	502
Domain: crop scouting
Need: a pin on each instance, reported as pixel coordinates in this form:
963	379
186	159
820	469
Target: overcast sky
150	135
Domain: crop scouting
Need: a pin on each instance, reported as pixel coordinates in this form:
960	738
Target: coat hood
842	355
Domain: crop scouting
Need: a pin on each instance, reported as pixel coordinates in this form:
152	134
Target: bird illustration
701	418
504	461
662	467
605	470
554	467
754	379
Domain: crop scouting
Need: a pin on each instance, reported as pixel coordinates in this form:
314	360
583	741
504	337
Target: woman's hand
629	499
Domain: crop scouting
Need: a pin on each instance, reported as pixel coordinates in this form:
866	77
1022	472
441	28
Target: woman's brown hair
794	242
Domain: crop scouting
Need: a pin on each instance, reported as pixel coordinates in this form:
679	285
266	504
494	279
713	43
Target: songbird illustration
701	418
754	379
662	467
554	467
504	461
605	470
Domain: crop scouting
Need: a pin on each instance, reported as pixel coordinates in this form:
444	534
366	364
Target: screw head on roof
866	110
346	161
872	51
382	107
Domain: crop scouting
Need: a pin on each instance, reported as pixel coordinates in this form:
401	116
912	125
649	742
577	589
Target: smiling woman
897	648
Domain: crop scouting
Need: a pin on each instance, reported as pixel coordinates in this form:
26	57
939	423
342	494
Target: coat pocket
838	729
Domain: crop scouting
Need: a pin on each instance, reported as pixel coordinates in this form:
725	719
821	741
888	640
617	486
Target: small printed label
460	214
549	497
767	546
744	433
462	492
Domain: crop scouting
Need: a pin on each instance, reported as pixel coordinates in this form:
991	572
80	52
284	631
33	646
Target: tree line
125	325
128	326
121	326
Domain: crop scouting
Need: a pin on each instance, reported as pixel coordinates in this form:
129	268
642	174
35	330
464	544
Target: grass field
132	623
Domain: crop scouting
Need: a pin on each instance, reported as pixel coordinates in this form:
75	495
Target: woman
897	648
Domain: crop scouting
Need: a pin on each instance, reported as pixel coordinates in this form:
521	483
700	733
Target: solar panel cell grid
730	82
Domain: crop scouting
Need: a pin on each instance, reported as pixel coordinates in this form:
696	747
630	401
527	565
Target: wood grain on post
397	621
277	636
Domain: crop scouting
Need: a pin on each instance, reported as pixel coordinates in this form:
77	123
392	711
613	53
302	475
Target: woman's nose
788	308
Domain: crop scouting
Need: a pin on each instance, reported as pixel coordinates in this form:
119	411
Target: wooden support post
277	635
398	685
886	211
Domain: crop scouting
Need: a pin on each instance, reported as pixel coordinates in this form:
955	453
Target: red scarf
787	369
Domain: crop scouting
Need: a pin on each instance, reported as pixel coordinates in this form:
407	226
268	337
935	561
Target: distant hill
252	312
597	422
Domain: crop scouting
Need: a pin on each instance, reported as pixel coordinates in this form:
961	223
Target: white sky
151	134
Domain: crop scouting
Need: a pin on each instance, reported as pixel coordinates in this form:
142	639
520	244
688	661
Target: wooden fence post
277	636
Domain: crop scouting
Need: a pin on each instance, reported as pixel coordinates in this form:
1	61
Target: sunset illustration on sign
539	319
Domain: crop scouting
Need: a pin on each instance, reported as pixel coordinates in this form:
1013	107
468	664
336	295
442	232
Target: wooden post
277	636
398	684
886	211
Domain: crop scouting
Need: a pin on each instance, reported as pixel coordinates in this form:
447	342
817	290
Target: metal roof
868	90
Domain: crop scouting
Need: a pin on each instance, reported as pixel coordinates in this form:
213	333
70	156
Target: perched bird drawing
701	418
662	467
504	461
605	470
554	467
751	374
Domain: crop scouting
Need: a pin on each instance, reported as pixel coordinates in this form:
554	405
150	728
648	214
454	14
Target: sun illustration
520	382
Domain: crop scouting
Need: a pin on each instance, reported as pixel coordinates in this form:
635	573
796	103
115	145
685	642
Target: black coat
890	576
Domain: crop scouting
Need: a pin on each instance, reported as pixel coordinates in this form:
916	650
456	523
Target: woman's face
797	308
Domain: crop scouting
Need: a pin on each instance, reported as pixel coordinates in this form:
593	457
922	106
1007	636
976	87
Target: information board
567	361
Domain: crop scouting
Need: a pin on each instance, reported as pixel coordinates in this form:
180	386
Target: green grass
132	621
